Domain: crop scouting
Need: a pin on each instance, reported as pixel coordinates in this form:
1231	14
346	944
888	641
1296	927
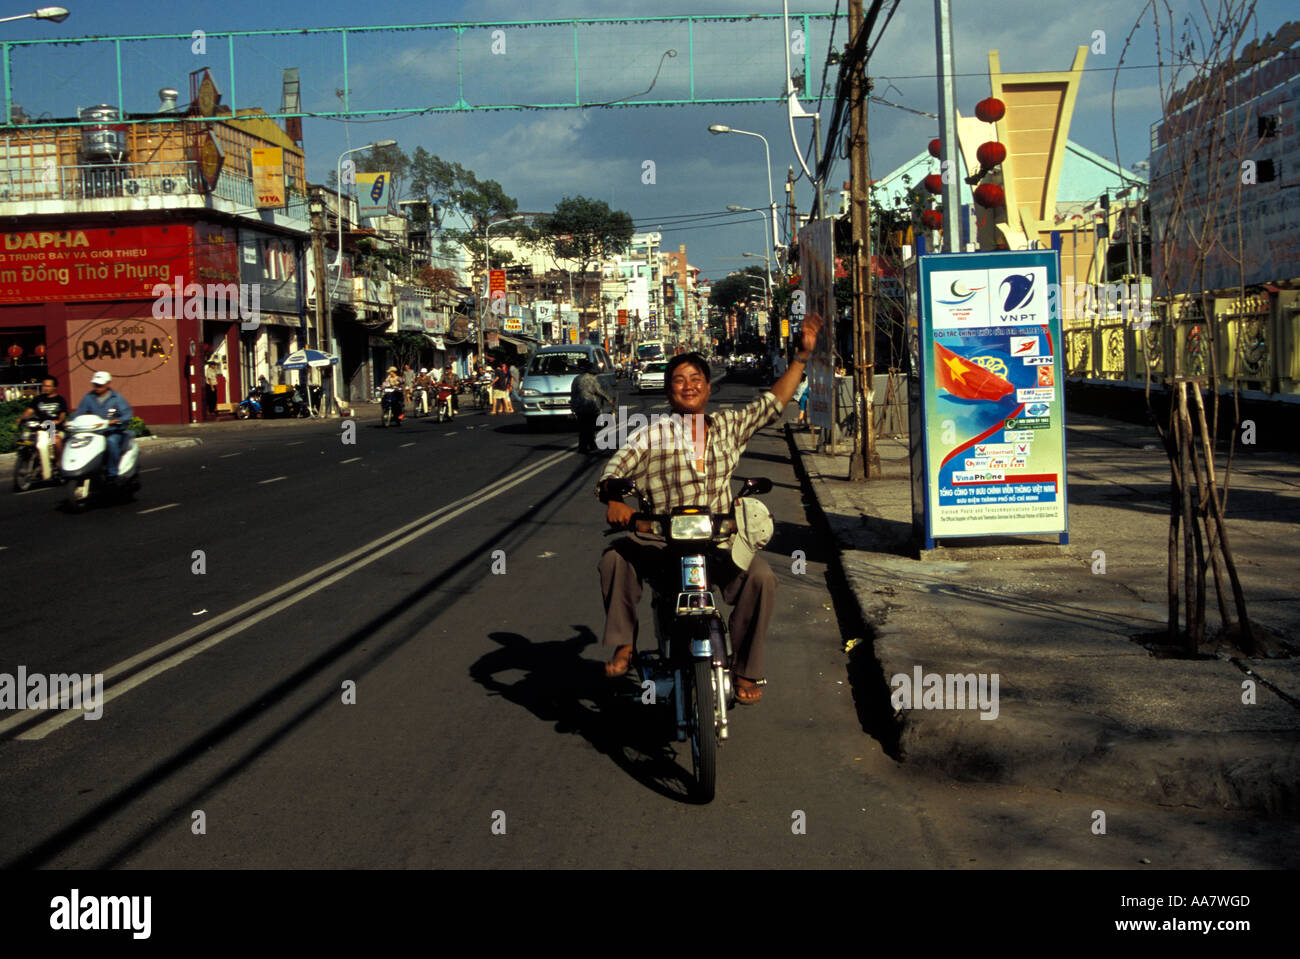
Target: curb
1048	743
147	444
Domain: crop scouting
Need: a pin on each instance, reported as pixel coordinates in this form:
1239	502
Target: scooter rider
695	472
108	404
49	405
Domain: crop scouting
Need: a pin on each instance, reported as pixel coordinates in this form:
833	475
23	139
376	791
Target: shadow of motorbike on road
561	687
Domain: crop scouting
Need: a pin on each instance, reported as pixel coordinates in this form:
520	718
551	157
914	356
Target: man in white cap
105	402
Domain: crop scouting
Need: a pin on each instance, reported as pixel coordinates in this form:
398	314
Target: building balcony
132	187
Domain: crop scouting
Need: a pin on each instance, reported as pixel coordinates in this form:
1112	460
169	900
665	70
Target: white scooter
85	462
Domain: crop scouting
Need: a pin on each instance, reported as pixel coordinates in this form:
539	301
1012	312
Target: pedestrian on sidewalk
801	396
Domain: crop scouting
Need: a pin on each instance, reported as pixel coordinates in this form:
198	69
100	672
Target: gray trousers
627	563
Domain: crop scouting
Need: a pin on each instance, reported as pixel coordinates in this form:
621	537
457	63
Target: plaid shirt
662	462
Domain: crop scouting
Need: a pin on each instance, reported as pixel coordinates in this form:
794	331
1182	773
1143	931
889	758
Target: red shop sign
123	263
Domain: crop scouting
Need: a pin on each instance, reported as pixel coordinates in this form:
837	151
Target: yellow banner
268	177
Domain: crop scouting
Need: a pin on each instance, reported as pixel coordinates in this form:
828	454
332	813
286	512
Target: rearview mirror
756	486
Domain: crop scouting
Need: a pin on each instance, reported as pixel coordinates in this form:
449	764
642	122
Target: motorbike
442	408
35	460
250	406
481	386
390	403
422	401
85	462
691	667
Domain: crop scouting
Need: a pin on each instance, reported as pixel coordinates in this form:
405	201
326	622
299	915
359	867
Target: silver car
548	380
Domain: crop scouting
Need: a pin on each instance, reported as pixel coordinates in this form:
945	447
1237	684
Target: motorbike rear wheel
704	731
27	469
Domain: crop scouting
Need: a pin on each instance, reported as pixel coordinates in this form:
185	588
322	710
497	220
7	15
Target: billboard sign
992	403
817	282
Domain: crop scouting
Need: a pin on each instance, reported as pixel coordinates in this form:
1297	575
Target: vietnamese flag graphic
966	380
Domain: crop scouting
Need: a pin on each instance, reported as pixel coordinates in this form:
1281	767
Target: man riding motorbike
49	406
108	404
695	472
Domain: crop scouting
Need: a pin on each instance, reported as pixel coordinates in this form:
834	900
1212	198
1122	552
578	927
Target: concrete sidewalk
1081	706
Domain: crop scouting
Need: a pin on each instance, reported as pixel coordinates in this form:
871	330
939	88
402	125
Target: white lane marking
152	469
297	443
294	592
353	460
157	508
39	489
225	456
405	445
452	433
274	479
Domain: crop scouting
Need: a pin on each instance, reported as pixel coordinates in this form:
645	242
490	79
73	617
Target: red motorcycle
443	411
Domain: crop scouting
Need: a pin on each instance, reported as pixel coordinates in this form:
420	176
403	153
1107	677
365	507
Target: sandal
619	664
748	691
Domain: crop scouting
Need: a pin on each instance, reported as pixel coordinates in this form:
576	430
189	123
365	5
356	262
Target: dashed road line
274	479
155	509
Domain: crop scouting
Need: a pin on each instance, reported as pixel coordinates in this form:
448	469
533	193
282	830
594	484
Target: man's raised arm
783	389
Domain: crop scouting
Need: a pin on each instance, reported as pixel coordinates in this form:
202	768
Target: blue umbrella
302	359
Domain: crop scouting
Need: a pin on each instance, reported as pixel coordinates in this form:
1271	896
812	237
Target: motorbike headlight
692	526
529	391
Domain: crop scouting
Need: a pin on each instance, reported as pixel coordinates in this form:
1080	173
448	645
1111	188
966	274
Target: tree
736	287
1205	135
582	231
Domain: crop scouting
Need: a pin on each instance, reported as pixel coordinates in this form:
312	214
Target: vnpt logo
962	292
1019	290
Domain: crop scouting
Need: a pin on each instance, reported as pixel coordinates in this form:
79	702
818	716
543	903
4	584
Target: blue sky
539	156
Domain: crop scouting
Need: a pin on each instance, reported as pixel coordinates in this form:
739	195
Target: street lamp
338	260
487	275
55	14
717	128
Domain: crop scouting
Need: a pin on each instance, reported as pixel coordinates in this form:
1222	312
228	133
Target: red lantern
991	154
932	219
15	351
990	109
990	195
936	147
933	183
40	350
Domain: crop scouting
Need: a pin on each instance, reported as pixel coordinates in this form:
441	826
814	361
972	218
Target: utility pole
865	461
948	128
793	213
323	331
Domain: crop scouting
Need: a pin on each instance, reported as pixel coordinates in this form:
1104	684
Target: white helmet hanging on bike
754	530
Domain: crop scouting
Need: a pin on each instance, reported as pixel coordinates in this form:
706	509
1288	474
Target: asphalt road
347	683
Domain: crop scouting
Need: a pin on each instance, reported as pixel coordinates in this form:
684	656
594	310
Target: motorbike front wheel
388	417
79	496
241	412
27	469
704	731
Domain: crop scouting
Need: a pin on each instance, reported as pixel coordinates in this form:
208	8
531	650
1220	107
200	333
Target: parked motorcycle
250	406
691	668
390	404
85	462
35	460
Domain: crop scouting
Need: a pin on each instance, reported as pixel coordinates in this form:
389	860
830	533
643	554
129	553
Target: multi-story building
140	246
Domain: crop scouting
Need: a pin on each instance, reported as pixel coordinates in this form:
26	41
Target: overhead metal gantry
558	65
